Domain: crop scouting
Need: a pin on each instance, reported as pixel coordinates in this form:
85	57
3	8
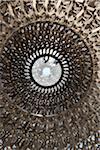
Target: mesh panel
65	114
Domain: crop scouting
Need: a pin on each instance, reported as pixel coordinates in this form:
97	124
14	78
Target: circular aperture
46	71
46	67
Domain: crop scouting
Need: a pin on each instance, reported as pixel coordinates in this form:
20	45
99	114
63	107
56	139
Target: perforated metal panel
49	75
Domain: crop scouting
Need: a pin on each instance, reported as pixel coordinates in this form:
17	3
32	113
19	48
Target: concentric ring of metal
46	68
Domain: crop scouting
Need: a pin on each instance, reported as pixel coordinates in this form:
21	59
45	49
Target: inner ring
46	71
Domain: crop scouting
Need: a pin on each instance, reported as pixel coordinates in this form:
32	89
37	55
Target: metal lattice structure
49	69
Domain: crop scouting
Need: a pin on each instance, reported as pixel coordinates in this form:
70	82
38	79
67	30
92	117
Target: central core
46	71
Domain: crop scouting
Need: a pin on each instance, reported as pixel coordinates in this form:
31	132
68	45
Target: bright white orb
46	73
